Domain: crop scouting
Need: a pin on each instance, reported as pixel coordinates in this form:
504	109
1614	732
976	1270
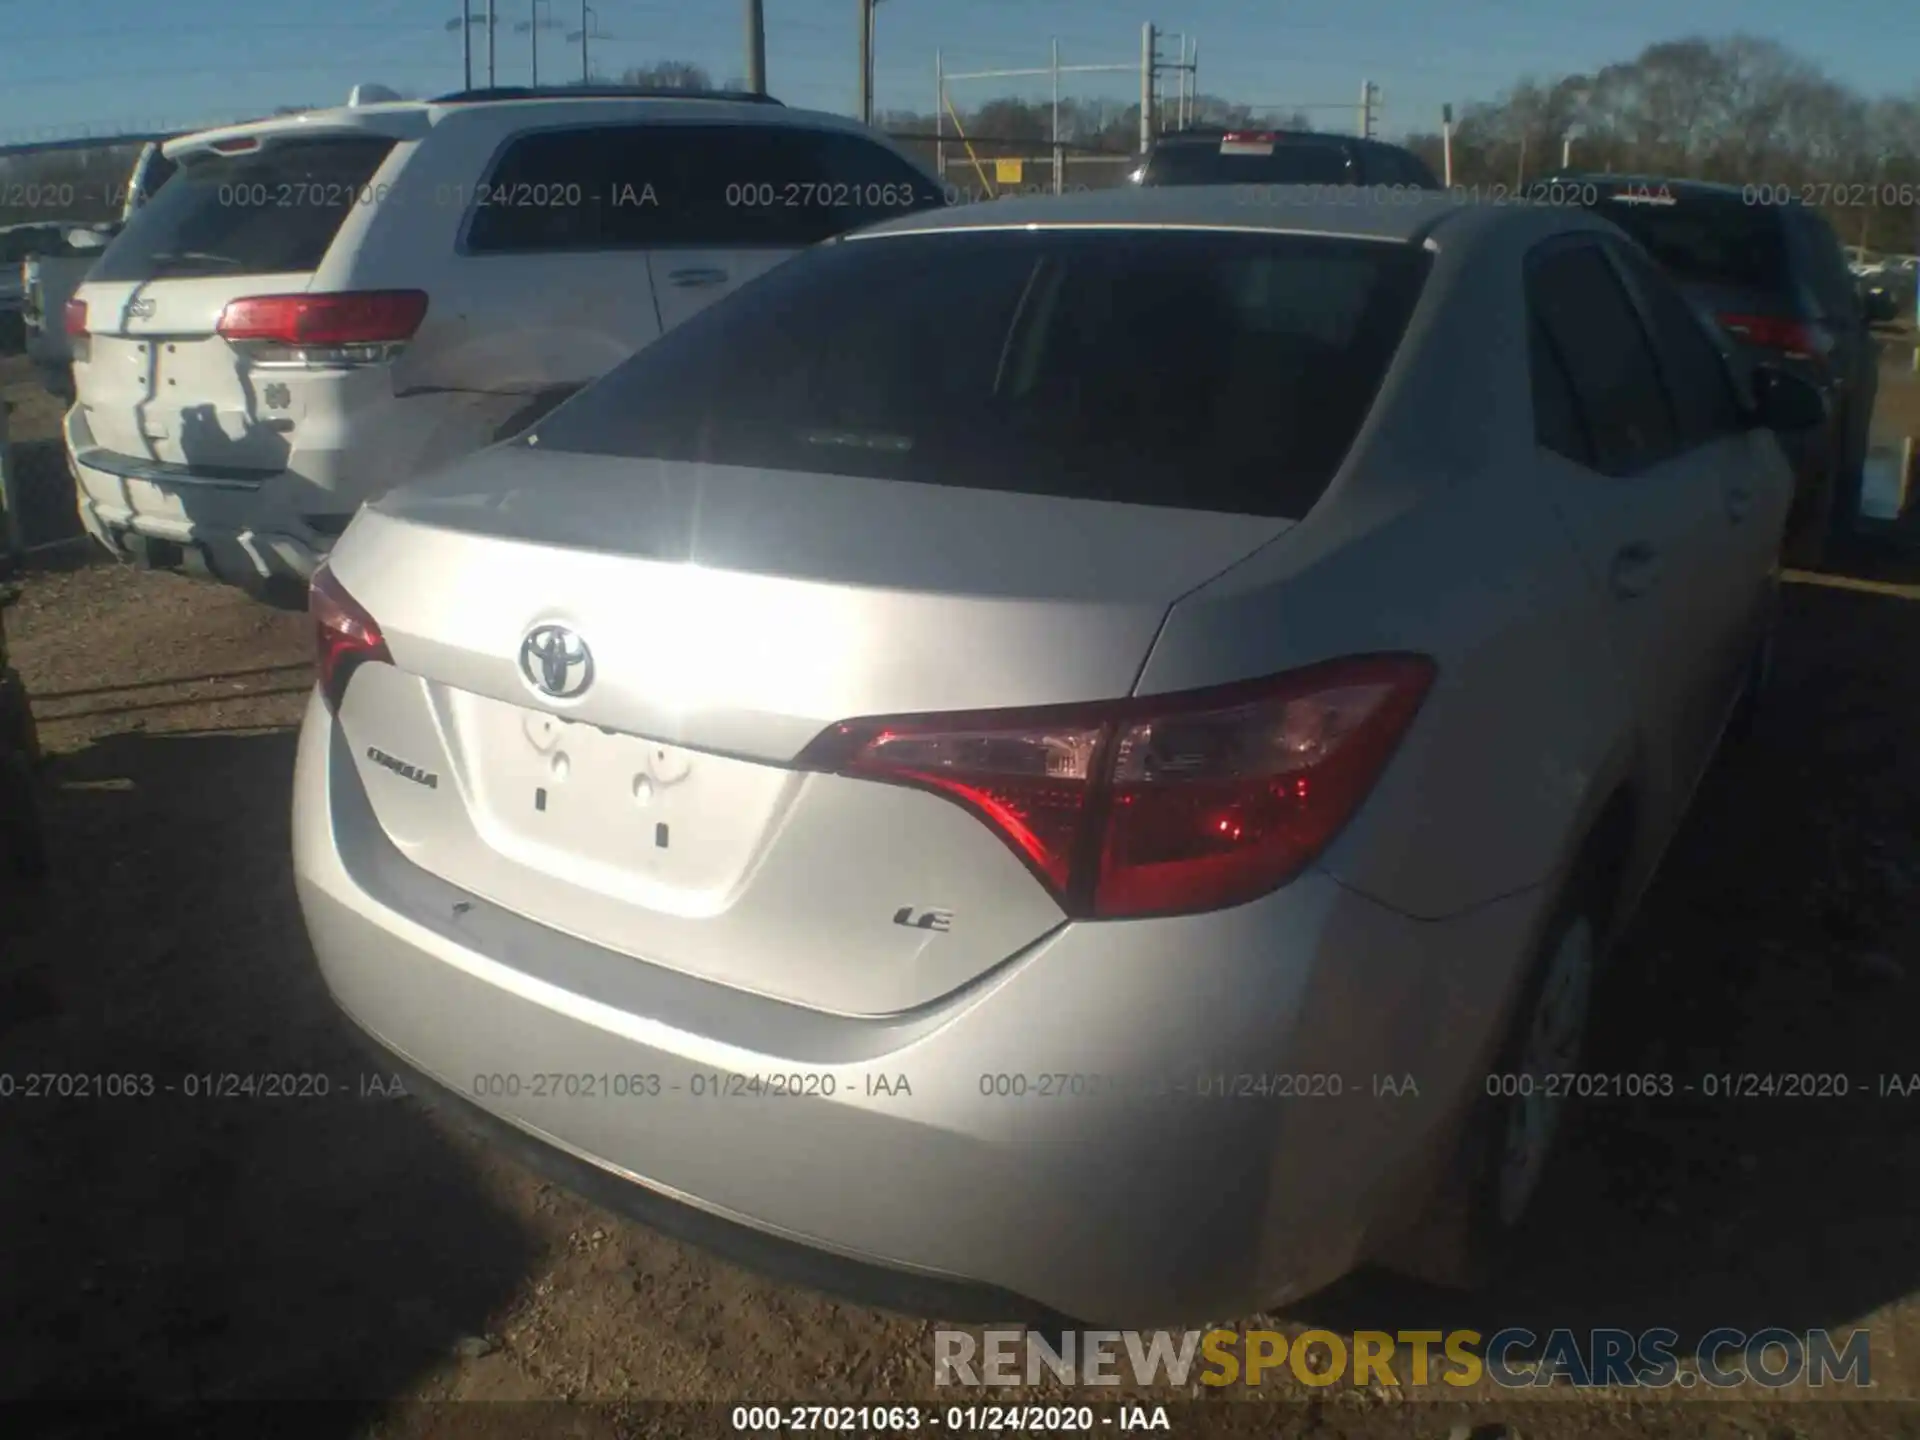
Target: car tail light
1158	805
345	635
356	328
1797	339
73	319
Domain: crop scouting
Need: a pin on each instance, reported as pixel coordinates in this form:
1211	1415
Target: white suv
317	307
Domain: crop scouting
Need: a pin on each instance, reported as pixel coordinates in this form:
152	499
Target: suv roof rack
601	92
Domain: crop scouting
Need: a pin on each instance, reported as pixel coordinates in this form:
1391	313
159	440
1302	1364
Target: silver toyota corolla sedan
1072	757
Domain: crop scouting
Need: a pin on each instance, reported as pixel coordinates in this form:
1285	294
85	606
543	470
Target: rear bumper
242	528
902	1173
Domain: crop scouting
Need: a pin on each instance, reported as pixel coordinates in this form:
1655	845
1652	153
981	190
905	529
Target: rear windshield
1707	241
1225	372
274	211
1292	162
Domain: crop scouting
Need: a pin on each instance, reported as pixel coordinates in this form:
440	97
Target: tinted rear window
1291	163
1207	371
271	212
612	187
1708	241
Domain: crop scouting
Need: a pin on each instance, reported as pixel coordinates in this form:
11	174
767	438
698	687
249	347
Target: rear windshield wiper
169	259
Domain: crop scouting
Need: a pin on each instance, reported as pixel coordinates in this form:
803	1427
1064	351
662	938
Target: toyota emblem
556	662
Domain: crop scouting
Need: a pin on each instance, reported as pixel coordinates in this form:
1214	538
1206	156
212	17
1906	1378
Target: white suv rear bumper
242	529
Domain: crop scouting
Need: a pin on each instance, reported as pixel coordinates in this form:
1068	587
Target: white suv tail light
365	327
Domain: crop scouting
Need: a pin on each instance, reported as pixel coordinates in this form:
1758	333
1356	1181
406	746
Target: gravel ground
169	1249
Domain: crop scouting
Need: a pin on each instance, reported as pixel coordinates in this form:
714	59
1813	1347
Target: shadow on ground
174	1247
1779	939
44	489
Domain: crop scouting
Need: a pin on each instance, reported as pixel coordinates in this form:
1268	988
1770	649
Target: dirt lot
170	1249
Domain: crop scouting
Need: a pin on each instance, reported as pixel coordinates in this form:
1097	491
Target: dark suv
1280	157
1776	279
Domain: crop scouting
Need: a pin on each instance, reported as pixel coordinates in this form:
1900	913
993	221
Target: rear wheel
1545	1044
1472	1230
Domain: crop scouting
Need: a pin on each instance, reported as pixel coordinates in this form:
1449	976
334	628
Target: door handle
1635	568
1739	503
697	278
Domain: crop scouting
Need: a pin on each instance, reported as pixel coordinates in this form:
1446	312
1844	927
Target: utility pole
490	44
532	26
1446	145
466	39
756	48
586	25
1369	109
1146	86
866	62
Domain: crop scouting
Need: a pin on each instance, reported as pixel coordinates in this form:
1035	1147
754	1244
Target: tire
1467	1236
1513	1139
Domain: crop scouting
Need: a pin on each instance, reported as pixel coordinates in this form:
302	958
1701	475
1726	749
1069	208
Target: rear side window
269	212
1293	162
1708	241
1557	423
1222	372
619	187
1586	315
1705	404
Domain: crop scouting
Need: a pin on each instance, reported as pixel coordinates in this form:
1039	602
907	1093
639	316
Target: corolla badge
141	309
556	662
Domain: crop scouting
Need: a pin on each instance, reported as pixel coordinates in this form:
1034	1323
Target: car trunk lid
729	615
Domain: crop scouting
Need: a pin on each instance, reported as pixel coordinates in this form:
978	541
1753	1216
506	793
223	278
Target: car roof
1301	209
413	119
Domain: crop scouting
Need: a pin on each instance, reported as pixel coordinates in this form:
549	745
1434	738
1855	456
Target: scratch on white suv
320	306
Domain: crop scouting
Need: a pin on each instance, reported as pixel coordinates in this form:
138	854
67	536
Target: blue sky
108	64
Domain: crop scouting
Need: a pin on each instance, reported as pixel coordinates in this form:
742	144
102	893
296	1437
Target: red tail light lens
366	317
1164	804
345	635
1774	332
74	318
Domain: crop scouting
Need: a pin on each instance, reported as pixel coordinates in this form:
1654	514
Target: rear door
1755	483
158	382
1644	510
744	198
